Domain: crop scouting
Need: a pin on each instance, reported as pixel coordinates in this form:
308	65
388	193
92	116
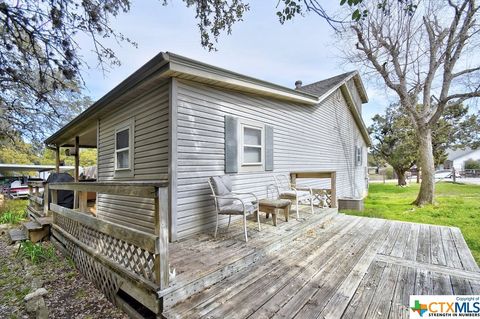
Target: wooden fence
119	260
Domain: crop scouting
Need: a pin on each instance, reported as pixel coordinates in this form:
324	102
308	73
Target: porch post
333	185
57	159
161	264
46	209
77	158
76	172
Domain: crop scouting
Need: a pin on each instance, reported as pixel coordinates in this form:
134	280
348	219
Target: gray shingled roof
321	87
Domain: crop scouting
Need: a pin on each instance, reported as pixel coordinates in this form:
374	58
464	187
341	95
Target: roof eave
358	84
360	87
205	72
152	66
356	115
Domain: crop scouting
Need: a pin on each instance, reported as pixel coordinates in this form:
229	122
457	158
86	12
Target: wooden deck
326	266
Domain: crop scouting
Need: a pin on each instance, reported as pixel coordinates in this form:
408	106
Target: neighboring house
181	120
457	158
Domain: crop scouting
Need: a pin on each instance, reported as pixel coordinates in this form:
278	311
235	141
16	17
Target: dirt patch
70	295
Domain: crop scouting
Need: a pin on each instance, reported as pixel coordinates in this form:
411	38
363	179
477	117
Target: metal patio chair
286	190
230	203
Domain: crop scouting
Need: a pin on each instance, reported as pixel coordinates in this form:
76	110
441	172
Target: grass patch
457	205
36	253
13	211
11	218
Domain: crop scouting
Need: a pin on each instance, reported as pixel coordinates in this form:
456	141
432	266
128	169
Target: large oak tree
425	56
395	141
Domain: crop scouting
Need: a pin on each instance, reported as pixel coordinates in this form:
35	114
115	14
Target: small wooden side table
274	206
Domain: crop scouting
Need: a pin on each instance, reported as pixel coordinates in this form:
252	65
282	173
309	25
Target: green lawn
457	205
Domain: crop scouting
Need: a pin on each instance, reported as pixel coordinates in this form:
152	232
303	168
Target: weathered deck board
438	255
424	247
384	294
403	290
468	262
298	270
283	295
452	257
359	303
351	267
410	252
340	300
229	253
314	292
300	250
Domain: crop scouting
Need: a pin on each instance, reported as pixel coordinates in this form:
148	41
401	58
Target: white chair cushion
291	194
222	186
237	209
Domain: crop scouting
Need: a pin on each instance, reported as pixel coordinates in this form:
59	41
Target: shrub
36	252
472	164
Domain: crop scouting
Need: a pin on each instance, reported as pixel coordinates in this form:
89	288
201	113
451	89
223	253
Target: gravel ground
69	294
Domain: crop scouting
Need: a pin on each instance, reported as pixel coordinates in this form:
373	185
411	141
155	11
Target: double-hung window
124	149
252	146
248	146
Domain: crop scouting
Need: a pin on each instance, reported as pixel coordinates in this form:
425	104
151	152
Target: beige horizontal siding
319	137
150	115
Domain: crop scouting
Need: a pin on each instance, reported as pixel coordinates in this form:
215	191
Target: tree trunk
427	166
401	180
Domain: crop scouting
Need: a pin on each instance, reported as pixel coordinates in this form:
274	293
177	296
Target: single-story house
182	120
160	135
457	158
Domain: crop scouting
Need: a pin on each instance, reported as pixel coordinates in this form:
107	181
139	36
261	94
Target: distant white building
457	158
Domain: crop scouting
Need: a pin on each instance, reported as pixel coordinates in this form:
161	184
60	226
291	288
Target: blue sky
303	49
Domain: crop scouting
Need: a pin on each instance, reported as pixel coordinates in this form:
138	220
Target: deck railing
113	256
36	202
329	194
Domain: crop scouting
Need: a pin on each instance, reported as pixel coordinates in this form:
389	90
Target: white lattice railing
35	204
111	255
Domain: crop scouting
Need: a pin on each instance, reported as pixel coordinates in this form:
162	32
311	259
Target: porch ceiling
87	138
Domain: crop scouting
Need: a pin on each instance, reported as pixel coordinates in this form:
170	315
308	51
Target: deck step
44	221
35	231
35	213
32	225
179	292
17	235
